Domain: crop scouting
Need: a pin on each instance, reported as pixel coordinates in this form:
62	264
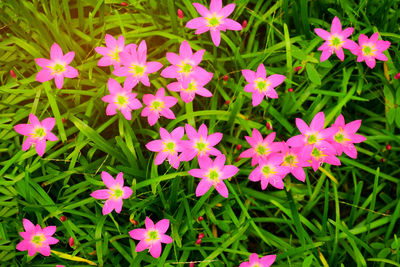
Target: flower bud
201	235
71	241
124	4
227	102
225	78
290	90
198	242
244	24
268	126
238	147
388	147
180	13
12	73
63	218
200	218
397	76
191	264
298	68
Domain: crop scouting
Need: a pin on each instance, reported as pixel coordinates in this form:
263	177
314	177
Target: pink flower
261	85
313	136
115	193
335	40
111	52
200	143
168	147
260	148
135	68
293	160
185	66
315	156
195	86
370	49
212	173
265	261
157	105
37	132
37	239
56	67
214	20
152	236
270	171
120	98
346	136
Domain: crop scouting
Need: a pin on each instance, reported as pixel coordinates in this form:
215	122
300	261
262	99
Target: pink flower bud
12	73
200	218
63	218
71	241
191	264
124	4
298	68
201	235
198	242
225	78
290	90
244	24
180	13
397	76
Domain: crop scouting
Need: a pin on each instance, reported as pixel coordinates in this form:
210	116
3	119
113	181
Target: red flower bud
200	218
124	4
237	159
244	24
383	160
268	125
388	147
290	90
134	222
227	102
201	235
12	73
71	241
397	76
63	120
238	147
63	218
198	242
191	264
225	78
298	68
180	13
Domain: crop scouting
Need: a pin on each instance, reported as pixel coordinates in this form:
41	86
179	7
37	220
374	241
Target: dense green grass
345	214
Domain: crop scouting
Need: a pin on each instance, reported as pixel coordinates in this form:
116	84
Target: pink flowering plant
265	141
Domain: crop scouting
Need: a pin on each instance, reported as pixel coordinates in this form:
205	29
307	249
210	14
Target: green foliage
353	221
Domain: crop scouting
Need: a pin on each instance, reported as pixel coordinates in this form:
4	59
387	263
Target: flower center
185	68
192	87
116	192
262	150
214	22
369	50
137	70
114	54
339	137
157	105
336	42
312	139
38	240
169	147
317	154
152	236
201	146
290	160
39	133
121	101
58	68
213	175
267	170
262	85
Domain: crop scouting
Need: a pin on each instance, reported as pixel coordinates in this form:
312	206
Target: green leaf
312	74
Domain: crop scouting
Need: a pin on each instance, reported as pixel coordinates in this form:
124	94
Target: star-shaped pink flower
335	40
111	52
37	132
57	67
152	236
158	105
37	239
260	85
212	173
270	171
195	86
135	66
120	98
214	20
115	193
265	261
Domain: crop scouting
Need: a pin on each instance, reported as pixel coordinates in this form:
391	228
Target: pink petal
23	245
249	75
351	45
350	150
267	260
370	61
178	133
336	27
121	42
299	174
170	101
127	192
229	171
326	54
120	179
203	187
198	56
49	230
111	110
356	138
197	23
362	39
68	57
40	146
296	141
162	225
374	37
199	173
379	55
257	98
48	123
142	246
70	72
165	239
382	45
108	180
155	250
155	145
101	194
214	138
317	123
203	11
190	131
28	225
261	72
148	223
43	62
276	79
44	250
110	41
27	143
121	71
24	129
347	32
109	206
173	58
215	5
253	259
322	33
117	205
222	189
56	52
153	118
160	158
339	53
104	51
232	25
44	75
138	234
185	51
126	112
59	79
215	36
227	10
205	163
167	113
153	66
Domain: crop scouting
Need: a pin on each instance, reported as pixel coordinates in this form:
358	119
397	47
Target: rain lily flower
254	261
195	86
135	67
56	67
315	156
120	98
370	49
270	171
37	132
261	147
168	147
346	136
157	105
115	193
293	160
185	65
335	40
314	135
200	143
111	52
37	239
261	85
212	173
214	20
152	236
